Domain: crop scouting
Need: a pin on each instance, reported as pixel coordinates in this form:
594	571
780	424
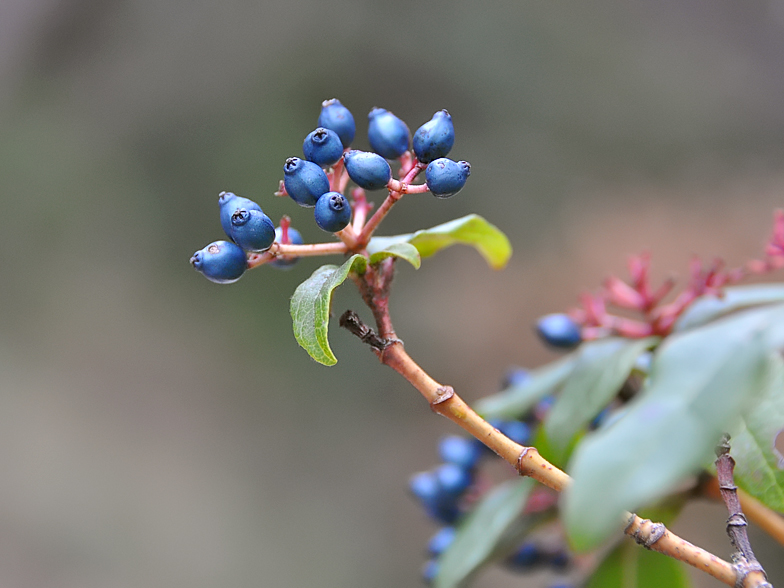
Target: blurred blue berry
322	147
515	377
517	431
560	560
229	202
441	541
526	557
336	117
445	177
252	230
295	238
435	138
425	486
333	212
559	330
305	181
453	479
430	571
222	262
368	170
388	135
460	451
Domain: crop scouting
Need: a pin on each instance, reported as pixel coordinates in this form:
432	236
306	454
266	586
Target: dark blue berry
517	431
368	170
424	486
459	451
305	181
445	177
333	212
222	262
323	147
228	203
559	330
435	138
430	571
438	503
388	135
453	479
560	560
515	377
336	117
441	541
527	556
285	261
252	230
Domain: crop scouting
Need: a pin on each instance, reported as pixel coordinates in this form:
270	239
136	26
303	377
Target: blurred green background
159	430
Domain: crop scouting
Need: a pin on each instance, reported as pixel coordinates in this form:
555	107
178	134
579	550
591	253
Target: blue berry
336	117
252	230
305	181
388	135
333	212
430	571
424	486
515	377
559	330
560	560
445	177
368	170
452	479
517	431
228	203
438	503
441	541
435	138
323	147
295	238
459	451
527	556
222	262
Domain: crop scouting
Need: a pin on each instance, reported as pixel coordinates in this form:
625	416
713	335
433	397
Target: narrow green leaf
708	308
487	530
310	307
515	401
700	384
402	250
758	469
471	230
601	369
628	566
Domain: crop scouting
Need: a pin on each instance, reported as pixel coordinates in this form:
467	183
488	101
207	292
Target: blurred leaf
628	566
491	526
701	382
758	469
708	308
471	230
558	456
515	401
601	369
310	307
402	250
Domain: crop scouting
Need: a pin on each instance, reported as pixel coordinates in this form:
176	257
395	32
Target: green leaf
402	250
758	469
601	369
310	307
471	230
628	566
708	308
493	527
700	384
515	401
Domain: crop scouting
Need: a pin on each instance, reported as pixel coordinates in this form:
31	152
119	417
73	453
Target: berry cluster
319	180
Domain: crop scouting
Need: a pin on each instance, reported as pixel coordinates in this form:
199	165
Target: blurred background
160	430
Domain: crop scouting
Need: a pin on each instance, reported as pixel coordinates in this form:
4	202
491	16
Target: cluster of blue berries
314	182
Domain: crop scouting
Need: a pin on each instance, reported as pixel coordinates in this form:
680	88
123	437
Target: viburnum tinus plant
633	412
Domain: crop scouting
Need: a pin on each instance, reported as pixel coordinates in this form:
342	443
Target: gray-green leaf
404	251
628	566
708	308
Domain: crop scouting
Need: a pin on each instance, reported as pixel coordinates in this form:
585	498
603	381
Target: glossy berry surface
305	181
336	117
460	451
252	230
222	262
228	203
367	170
435	138
388	135
559	330
294	238
333	212
322	147
445	177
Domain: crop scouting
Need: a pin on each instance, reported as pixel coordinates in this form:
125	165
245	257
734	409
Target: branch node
743	568
444	394
657	532
632	518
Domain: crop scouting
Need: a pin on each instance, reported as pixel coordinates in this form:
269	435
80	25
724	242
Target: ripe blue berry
425	487
388	135
435	138
452	479
559	330
286	261
333	212
527	556
445	177
430	571
517	431
305	181
336	117
228	203
368	170
222	262
516	377
322	147
252	230
441	541
460	451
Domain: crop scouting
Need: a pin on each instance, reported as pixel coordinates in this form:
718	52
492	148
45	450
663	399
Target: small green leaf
493	526
402	250
708	308
310	307
471	230
628	566
601	369
515	401
700	384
